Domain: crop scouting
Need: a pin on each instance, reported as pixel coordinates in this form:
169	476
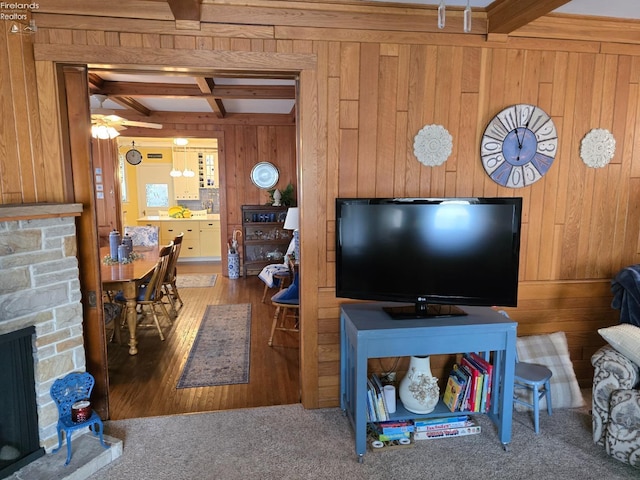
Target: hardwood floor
145	384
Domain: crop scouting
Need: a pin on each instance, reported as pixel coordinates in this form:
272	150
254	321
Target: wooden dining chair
286	317
150	295
169	283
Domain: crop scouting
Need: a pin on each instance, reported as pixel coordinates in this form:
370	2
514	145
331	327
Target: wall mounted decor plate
432	145
597	148
264	175
519	145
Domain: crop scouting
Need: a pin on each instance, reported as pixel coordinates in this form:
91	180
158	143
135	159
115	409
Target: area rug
194	280
220	351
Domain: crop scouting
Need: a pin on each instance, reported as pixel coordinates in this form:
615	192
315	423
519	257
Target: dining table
127	277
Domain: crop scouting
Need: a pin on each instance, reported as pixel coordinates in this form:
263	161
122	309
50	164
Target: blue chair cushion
142	290
289	296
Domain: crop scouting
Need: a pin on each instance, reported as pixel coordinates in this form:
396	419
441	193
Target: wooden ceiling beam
207	85
95	81
185	9
174	90
131	104
186	13
198	122
505	16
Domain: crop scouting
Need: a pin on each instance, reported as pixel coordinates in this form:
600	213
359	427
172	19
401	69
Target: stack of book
432	428
384	436
393	430
469	385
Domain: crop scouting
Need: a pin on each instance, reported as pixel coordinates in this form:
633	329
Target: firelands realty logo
16	11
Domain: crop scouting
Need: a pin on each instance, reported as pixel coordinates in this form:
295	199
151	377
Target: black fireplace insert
19	435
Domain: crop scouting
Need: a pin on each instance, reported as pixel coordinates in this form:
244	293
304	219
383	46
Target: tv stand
423	310
366	331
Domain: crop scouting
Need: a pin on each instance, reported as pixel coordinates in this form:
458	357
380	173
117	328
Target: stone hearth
40	287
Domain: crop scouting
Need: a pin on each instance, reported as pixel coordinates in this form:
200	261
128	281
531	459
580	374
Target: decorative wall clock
432	145
519	146
597	148
264	175
133	156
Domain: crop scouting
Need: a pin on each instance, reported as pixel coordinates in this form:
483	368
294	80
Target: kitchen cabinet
190	240
208	169
210	243
186	188
201	237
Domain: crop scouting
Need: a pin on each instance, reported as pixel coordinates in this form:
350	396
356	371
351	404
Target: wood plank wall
369	93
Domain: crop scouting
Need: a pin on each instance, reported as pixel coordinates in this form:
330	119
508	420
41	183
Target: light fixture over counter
187	172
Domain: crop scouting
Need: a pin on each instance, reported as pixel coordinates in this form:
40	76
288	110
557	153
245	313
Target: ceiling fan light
100	131
103	132
180	141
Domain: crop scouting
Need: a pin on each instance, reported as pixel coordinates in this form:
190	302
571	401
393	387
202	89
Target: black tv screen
429	251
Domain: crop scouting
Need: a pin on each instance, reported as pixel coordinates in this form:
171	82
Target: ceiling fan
106	124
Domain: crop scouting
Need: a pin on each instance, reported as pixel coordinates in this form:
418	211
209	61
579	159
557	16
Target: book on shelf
452	393
469	385
444	423
469	427
465	401
392	427
421	422
476	383
384	437
376	402
447	432
488	371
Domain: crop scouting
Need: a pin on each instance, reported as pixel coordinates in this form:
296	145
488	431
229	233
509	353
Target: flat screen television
434	253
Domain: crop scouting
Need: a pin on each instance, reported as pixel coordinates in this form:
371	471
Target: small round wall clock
133	156
519	146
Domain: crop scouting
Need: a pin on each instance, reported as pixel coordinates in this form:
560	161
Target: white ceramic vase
419	390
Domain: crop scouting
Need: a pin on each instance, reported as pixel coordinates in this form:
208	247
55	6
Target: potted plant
287	196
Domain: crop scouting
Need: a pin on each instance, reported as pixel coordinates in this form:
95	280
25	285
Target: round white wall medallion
432	145
597	148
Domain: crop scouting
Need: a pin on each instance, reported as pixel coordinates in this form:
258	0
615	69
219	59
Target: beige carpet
289	442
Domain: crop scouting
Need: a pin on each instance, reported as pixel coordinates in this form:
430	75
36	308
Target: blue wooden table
366	331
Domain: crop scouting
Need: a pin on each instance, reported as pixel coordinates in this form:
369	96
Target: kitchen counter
201	235
157	218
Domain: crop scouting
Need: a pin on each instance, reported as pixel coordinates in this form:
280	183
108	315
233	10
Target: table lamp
292	222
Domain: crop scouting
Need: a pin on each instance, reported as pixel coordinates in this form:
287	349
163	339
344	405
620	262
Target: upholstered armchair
616	405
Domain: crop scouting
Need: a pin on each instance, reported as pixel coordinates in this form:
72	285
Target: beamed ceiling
264	97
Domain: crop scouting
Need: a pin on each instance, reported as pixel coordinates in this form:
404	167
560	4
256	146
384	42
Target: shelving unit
208	169
366	331
264	241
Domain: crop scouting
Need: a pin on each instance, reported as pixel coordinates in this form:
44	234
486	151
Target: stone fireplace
40	288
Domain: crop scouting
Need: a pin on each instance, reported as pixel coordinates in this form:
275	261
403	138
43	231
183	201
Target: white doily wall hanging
432	145
597	148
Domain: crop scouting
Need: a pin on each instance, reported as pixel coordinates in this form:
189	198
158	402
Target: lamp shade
292	221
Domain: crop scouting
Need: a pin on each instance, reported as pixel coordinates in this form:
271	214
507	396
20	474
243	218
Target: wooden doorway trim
74	108
302	65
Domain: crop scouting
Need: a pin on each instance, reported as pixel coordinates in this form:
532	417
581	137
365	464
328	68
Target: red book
475	374
489	371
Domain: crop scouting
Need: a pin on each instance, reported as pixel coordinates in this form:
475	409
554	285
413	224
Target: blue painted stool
65	392
536	378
